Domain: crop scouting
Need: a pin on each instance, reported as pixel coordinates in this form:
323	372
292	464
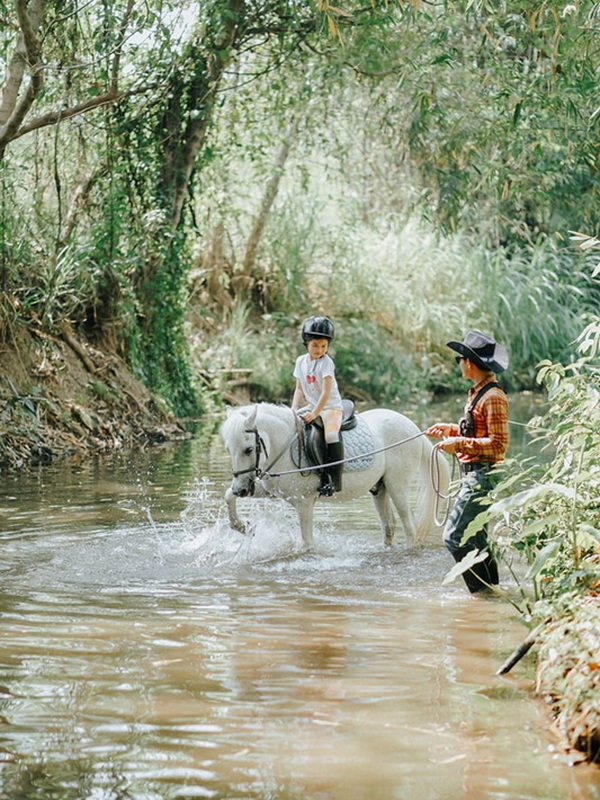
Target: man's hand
449	444
439	430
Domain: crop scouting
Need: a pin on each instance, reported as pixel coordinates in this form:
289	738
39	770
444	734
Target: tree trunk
193	95
243	280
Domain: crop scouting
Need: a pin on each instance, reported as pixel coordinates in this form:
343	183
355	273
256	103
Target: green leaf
539	525
476	525
545	554
28	404
530	496
471	558
589	530
517	113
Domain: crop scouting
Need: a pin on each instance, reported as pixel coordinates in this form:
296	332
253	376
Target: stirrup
326	489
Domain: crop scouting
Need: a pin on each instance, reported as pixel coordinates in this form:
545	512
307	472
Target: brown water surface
149	652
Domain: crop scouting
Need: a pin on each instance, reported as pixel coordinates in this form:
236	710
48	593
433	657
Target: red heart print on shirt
310	379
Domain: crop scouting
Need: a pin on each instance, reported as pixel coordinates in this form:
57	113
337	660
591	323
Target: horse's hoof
240	527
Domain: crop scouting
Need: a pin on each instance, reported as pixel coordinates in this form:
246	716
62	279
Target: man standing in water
479	441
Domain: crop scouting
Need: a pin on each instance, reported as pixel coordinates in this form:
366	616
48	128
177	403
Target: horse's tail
434	480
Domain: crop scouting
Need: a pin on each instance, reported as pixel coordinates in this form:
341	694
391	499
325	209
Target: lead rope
434	468
266	474
299	435
434	473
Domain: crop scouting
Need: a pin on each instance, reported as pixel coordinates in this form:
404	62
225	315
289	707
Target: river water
148	652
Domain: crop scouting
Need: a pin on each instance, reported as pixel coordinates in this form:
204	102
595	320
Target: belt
471	466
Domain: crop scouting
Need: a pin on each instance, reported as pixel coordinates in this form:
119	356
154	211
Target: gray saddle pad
358	445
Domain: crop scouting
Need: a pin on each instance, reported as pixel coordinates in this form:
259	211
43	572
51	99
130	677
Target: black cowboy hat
482	350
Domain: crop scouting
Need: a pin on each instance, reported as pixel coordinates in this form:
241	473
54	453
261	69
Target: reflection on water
147	651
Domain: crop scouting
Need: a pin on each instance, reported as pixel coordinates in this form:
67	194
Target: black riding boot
335	452
326	488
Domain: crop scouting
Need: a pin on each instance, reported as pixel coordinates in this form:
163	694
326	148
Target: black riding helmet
317	328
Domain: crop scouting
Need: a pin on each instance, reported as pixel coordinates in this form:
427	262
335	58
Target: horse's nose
243	488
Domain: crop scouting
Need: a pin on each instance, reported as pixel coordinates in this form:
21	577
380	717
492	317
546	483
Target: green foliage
360	344
554	523
291	247
490	109
408	290
265	348
422	289
537	297
390	116
59	287
163	347
21	404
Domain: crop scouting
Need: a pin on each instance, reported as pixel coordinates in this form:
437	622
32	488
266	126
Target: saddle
313	435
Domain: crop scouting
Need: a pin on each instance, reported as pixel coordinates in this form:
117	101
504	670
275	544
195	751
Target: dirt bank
568	677
61	397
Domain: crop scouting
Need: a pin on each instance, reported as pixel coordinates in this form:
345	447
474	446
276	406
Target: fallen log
518	653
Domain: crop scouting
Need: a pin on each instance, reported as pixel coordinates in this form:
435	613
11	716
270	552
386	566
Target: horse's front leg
235	521
305	508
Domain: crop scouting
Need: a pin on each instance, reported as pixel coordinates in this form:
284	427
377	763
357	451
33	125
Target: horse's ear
229	410
251	420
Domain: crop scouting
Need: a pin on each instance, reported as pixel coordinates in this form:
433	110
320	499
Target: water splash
146	555
272	530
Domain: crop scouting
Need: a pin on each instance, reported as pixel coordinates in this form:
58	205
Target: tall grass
403	291
340	241
246	344
398	291
541	299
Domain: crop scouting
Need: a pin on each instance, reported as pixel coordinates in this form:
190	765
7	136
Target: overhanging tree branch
27	56
53	117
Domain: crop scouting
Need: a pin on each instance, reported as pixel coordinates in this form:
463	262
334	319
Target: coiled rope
435	477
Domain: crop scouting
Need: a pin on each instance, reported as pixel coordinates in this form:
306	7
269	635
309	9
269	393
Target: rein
284	449
260	447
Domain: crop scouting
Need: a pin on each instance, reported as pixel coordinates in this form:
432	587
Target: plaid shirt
491	427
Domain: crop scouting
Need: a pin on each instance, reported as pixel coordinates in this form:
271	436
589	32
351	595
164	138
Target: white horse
260	440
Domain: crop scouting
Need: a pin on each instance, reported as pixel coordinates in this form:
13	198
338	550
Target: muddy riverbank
60	397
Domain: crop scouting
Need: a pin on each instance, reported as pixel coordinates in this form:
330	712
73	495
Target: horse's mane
276	409
236	418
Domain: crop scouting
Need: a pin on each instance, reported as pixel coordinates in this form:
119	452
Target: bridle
259	447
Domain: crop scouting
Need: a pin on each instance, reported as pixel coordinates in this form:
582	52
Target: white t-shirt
311	375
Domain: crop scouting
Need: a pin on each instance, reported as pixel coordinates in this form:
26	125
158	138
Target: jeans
474	487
